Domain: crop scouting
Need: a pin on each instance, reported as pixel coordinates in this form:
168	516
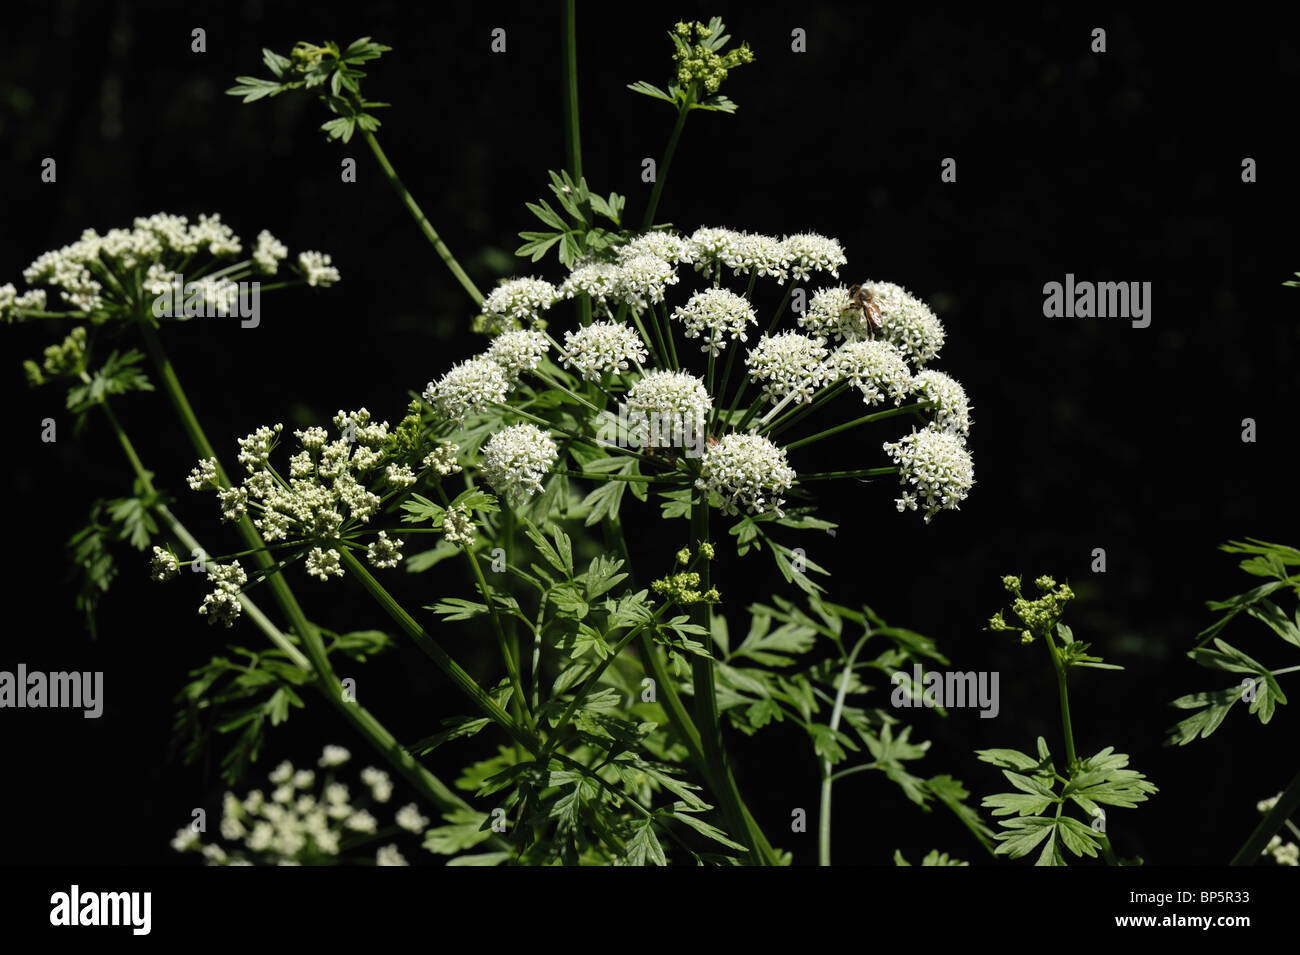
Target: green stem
1259	839
422	220
865	419
661	172
569	41
824	820
464	682
1063	693
317	661
835	475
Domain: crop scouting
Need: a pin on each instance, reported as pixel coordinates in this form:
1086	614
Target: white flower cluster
908	322
516	459
163	566
598	280
316	269
747	471
468	388
716	315
11	302
662	244
874	367
796	256
94	273
935	469
268	253
601	348
458	526
222	605
518	303
676	399
830	314
952	409
518	351
301	822
789	364
326	494
644	278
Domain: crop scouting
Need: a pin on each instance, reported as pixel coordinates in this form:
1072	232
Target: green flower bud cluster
684	589
67	359
1038	617
699	63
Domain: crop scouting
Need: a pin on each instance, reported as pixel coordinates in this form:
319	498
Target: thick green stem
661	171
569	40
422	220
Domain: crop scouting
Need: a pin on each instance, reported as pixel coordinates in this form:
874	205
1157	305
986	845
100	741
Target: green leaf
644	845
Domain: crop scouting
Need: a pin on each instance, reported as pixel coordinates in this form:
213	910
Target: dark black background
1124	166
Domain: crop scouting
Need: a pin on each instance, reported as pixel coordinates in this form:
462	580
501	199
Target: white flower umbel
333	756
876	368
316	269
269	252
458	526
908	322
598	280
164	565
518	302
675	405
518	351
831	315
516	459
410	818
384	551
468	388
442	460
747	471
255	450
643	279
935	470
204	475
716	315
323	564
809	252
662	244
789	364
601	348
222	605
381	785
951	407
390	855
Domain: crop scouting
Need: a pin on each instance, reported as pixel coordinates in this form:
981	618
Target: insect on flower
864	301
